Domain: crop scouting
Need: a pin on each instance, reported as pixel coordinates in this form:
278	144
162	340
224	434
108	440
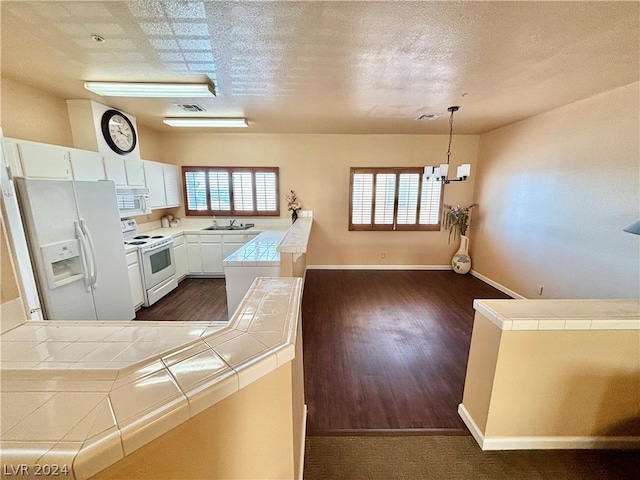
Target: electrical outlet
383	255
539	289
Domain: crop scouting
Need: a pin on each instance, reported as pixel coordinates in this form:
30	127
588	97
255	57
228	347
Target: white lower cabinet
135	279
180	254
211	255
205	253
231	243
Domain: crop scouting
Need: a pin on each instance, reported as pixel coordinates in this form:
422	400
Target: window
231	190
393	199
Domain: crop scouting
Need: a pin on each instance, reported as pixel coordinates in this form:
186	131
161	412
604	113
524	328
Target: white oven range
157	261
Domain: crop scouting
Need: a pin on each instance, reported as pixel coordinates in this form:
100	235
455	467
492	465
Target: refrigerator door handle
94	263
83	256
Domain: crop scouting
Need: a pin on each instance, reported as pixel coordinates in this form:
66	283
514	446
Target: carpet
456	458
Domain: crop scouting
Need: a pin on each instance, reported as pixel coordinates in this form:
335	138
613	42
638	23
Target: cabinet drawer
132	257
179	240
234	238
210	238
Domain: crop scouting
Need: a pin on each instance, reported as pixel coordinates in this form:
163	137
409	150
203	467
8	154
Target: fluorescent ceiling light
206	122
121	89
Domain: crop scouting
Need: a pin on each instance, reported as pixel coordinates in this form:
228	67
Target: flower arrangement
456	219
293	205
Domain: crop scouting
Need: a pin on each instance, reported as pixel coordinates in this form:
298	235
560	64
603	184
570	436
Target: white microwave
133	201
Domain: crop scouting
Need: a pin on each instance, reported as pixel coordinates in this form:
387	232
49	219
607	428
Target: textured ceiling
331	67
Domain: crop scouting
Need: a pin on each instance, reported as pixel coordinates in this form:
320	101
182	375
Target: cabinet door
180	252
155	183
231	244
172	185
135	172
114	170
135	279
194	259
45	161
87	165
211	253
12	157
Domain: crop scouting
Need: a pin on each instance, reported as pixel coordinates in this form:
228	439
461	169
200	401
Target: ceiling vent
190	107
428	116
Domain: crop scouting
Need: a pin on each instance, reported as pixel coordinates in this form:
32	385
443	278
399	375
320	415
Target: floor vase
461	261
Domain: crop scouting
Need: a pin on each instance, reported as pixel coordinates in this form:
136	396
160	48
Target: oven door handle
153	249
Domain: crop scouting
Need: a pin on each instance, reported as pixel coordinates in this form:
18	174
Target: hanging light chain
451	109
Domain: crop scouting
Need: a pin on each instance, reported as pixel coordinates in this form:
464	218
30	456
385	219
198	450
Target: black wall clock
118	131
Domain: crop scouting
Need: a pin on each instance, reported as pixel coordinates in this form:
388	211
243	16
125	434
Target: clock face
118	131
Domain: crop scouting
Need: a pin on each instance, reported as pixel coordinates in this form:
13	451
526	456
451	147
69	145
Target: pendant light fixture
441	173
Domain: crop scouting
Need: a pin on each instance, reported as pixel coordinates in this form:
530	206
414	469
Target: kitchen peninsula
109	399
542	374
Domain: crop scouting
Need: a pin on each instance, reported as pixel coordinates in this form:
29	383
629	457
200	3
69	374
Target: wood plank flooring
387	350
194	299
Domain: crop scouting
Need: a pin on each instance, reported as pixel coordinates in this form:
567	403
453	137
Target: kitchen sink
231	227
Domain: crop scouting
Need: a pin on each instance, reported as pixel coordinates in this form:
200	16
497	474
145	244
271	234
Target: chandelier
441	173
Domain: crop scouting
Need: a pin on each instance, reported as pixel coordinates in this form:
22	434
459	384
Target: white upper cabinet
45	161
41	160
155	183
125	172
86	165
135	172
171	175
114	169
163	182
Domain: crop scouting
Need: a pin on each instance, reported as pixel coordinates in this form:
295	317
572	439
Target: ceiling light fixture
441	173
633	228
125	89
206	122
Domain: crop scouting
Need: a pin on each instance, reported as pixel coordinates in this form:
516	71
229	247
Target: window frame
395	226
232	211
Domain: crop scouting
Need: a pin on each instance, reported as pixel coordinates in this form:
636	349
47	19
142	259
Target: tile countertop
582	314
274	236
197	226
261	251
85	395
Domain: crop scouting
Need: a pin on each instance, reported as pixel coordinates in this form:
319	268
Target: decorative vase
294	216
461	262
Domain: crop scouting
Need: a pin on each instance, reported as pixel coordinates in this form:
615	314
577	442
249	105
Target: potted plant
456	219
293	205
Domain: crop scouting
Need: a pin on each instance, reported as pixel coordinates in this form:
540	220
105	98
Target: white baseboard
487	280
545	443
500	287
476	433
379	267
302	443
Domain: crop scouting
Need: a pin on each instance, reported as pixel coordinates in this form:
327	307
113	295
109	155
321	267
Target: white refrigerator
77	250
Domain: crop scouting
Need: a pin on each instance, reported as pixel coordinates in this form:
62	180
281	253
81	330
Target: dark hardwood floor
387	349
194	299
